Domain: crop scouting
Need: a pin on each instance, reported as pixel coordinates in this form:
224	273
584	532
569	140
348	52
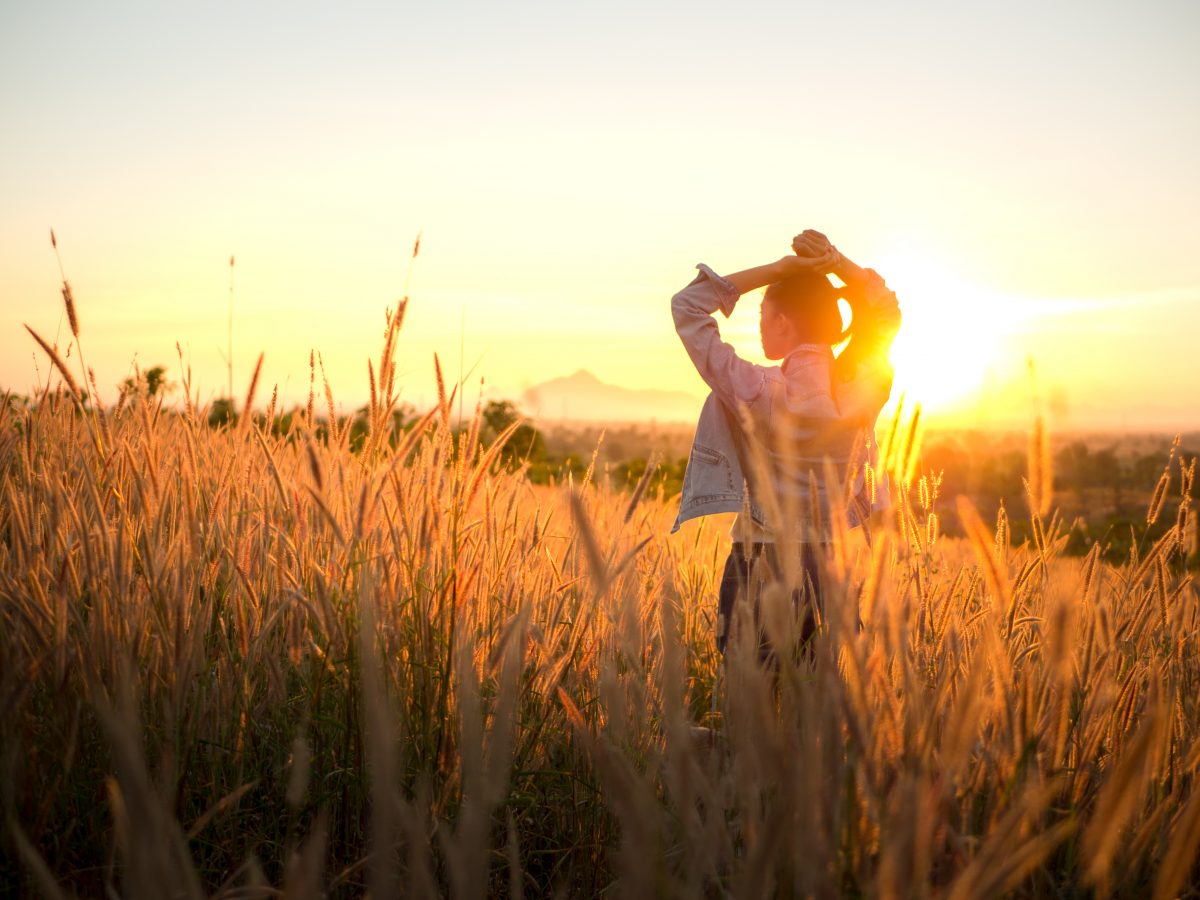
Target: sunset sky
1026	176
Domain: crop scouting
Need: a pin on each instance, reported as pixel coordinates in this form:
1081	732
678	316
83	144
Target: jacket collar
802	352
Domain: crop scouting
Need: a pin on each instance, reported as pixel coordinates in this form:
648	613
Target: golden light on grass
268	659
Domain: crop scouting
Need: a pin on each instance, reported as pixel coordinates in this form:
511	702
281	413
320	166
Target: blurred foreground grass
240	663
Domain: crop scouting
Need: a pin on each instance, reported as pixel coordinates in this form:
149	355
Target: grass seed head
249	405
69	300
1159	496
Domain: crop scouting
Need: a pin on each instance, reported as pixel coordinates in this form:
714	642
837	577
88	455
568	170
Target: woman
767	434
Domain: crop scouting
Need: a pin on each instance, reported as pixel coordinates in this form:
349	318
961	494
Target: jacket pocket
703	454
714	476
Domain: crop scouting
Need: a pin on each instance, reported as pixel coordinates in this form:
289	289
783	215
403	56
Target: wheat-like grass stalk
76	393
72	316
248	406
1041	468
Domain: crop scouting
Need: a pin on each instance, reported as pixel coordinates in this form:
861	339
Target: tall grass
238	664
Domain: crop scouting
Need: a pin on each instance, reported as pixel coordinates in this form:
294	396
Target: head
801	310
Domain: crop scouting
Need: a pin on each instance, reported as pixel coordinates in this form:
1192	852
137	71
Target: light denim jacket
789	417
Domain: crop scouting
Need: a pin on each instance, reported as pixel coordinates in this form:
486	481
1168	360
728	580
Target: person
768	436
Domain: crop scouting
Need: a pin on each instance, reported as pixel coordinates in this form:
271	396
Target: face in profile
776	331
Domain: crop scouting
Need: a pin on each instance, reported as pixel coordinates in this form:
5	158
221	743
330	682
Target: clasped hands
814	253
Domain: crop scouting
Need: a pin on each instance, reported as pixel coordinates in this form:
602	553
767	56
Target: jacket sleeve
731	378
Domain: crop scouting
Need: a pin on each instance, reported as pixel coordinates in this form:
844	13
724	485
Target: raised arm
806	259
733	379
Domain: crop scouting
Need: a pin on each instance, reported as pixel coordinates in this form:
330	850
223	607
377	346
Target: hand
813	243
810	244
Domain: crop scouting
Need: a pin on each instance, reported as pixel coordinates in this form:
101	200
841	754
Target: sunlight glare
952	332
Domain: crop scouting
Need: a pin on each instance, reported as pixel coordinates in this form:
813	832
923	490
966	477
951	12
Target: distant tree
221	413
666	481
359	426
150	383
1146	469
525	444
499	414
404	417
1106	471
1000	476
1071	468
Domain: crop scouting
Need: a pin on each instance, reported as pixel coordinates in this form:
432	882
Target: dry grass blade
312	387
643	482
225	803
415	433
516	886
332	412
591	469
1090	567
1156	500
381	737
587	537
152	843
47	884
887	453
872	597
442	400
628	558
983	543
1001	539
1163	545
314	466
1119	798
1041	468
248	406
912	445
283	499
72	316
302	880
574	716
1007	872
329	516
1183	849
299	768
373	407
58	364
485	464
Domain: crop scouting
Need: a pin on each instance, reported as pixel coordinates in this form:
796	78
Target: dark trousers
748	572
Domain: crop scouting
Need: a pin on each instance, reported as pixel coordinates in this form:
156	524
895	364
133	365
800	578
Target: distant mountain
584	397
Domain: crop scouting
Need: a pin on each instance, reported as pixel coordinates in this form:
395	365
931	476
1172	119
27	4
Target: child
765	432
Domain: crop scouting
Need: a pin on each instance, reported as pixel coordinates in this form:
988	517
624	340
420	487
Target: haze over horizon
1024	177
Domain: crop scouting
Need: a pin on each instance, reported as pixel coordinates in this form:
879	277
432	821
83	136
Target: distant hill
584	397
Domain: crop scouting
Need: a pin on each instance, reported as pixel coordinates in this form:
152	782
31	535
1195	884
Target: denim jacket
781	423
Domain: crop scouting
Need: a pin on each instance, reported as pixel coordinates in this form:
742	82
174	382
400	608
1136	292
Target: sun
952	333
957	342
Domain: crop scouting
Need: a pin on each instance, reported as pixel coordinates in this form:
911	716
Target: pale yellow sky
1024	177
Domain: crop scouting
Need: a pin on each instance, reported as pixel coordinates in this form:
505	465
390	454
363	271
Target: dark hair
810	303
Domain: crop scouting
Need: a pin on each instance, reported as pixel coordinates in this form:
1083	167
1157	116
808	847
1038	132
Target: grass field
247	665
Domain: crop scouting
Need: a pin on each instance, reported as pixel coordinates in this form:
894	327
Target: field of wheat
238	663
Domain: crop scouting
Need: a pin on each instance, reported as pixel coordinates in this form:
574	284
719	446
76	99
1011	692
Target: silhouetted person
774	429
